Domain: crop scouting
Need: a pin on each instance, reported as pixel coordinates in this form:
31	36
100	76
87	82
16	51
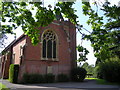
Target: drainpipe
4	66
3	70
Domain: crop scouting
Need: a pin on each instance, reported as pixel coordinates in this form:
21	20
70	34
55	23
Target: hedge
62	78
33	78
49	78
13	73
110	69
38	78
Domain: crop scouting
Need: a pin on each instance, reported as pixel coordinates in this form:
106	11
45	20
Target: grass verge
102	81
3	87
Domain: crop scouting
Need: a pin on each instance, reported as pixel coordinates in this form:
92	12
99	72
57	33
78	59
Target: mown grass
3	87
102	81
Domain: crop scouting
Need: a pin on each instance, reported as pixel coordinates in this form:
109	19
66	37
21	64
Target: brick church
55	53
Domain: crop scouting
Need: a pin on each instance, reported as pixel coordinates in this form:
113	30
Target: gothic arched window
49	45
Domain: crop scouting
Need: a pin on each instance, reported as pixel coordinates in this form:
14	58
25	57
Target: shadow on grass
102	81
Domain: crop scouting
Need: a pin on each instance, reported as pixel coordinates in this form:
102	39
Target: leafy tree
32	15
83	52
109	69
2	40
22	14
88	68
105	37
2	35
85	65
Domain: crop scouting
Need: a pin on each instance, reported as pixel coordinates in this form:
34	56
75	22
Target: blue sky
82	20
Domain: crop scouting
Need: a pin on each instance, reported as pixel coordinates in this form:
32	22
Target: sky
82	20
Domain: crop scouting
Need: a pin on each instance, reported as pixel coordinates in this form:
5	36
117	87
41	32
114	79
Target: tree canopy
31	15
105	36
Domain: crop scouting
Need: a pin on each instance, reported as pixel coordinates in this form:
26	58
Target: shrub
49	78
110	69
78	74
13	73
38	78
62	78
97	73
33	78
26	78
41	78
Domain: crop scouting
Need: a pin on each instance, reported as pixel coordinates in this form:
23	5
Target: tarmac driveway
86	85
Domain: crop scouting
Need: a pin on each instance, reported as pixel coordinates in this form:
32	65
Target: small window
13	58
21	50
49	45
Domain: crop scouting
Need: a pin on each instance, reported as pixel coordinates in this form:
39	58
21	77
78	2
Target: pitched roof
13	42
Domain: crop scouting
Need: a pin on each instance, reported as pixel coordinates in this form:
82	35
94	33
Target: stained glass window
49	44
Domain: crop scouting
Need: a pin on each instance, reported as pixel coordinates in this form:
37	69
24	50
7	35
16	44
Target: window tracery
49	45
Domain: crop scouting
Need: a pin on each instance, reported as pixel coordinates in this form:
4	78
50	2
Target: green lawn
3	87
102	81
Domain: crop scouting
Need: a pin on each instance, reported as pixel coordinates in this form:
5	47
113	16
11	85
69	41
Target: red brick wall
5	63
2	65
6	74
66	51
16	49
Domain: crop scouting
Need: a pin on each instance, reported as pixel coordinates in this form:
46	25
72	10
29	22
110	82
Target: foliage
62	78
97	72
3	87
32	15
38	78
3	37
105	37
102	81
21	14
13	73
49	78
33	78
83	52
78	74
88	68
99	81
110	69
25	78
0	5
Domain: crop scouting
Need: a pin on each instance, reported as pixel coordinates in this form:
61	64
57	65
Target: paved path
86	85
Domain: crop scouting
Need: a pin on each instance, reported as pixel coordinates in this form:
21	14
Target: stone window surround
13	58
21	50
49	59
